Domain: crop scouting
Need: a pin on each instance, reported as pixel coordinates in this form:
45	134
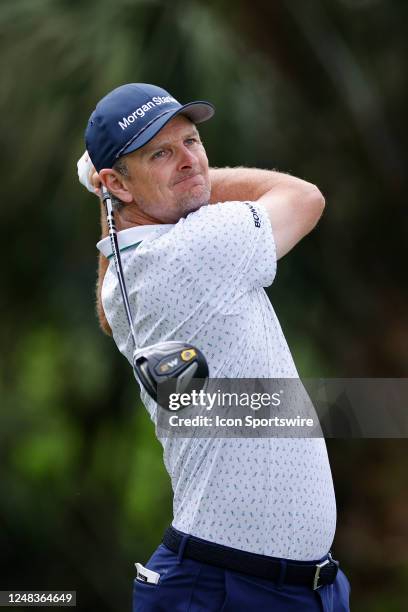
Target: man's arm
103	264
293	206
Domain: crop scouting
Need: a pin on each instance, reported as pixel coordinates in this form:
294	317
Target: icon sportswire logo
145	108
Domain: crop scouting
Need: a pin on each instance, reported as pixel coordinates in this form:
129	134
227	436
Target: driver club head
170	367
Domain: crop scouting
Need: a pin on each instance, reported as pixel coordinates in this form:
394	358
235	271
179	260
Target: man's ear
115	184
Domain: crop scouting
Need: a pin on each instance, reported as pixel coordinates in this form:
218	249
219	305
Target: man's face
168	177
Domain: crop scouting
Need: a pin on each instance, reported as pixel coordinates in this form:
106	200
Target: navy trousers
191	586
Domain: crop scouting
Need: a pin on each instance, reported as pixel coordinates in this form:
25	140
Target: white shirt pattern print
201	281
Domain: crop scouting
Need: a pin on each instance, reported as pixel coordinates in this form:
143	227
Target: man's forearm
248	183
103	264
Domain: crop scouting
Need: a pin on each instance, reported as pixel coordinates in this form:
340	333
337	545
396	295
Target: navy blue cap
131	115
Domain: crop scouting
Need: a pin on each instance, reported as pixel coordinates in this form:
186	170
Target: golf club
166	367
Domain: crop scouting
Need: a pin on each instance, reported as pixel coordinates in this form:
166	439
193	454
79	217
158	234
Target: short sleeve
231	242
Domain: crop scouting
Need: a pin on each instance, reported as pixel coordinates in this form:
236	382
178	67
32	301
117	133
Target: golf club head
170	367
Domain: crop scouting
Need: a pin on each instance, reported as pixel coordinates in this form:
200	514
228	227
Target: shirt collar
132	236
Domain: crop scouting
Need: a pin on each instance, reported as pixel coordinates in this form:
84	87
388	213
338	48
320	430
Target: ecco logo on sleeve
257	221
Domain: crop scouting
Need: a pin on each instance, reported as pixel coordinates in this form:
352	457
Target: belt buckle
319	566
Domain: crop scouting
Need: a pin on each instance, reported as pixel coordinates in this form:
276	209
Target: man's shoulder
238	219
221	212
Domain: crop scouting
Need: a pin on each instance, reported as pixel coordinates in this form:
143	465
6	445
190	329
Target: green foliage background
316	89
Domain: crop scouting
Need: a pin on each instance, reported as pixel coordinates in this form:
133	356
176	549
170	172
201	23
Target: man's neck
131	216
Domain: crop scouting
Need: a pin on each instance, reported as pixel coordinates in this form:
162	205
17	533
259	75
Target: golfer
254	518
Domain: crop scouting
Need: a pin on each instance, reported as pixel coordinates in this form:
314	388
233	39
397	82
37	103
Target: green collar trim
130	246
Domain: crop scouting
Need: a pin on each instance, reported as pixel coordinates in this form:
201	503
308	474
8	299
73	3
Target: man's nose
187	159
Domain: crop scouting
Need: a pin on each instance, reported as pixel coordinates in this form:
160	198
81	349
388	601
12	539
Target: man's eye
158	154
190	141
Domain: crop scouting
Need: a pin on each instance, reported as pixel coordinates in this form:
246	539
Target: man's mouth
184	179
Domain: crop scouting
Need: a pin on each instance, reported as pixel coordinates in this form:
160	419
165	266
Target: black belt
306	573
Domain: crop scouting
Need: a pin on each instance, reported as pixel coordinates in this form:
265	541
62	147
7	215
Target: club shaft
116	257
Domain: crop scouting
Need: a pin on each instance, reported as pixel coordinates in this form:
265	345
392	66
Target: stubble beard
183	206
189	202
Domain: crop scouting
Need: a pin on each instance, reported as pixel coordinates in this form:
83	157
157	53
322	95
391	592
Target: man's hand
87	174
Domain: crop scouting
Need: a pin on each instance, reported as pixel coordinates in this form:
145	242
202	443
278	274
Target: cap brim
196	111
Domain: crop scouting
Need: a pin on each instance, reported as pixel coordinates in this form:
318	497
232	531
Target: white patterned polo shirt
202	281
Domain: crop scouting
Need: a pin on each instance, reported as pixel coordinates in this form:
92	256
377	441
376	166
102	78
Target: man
254	519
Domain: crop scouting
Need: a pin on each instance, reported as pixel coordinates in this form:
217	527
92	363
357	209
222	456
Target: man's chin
194	201
193	207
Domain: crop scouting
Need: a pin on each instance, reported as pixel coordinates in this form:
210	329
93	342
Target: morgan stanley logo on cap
131	115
